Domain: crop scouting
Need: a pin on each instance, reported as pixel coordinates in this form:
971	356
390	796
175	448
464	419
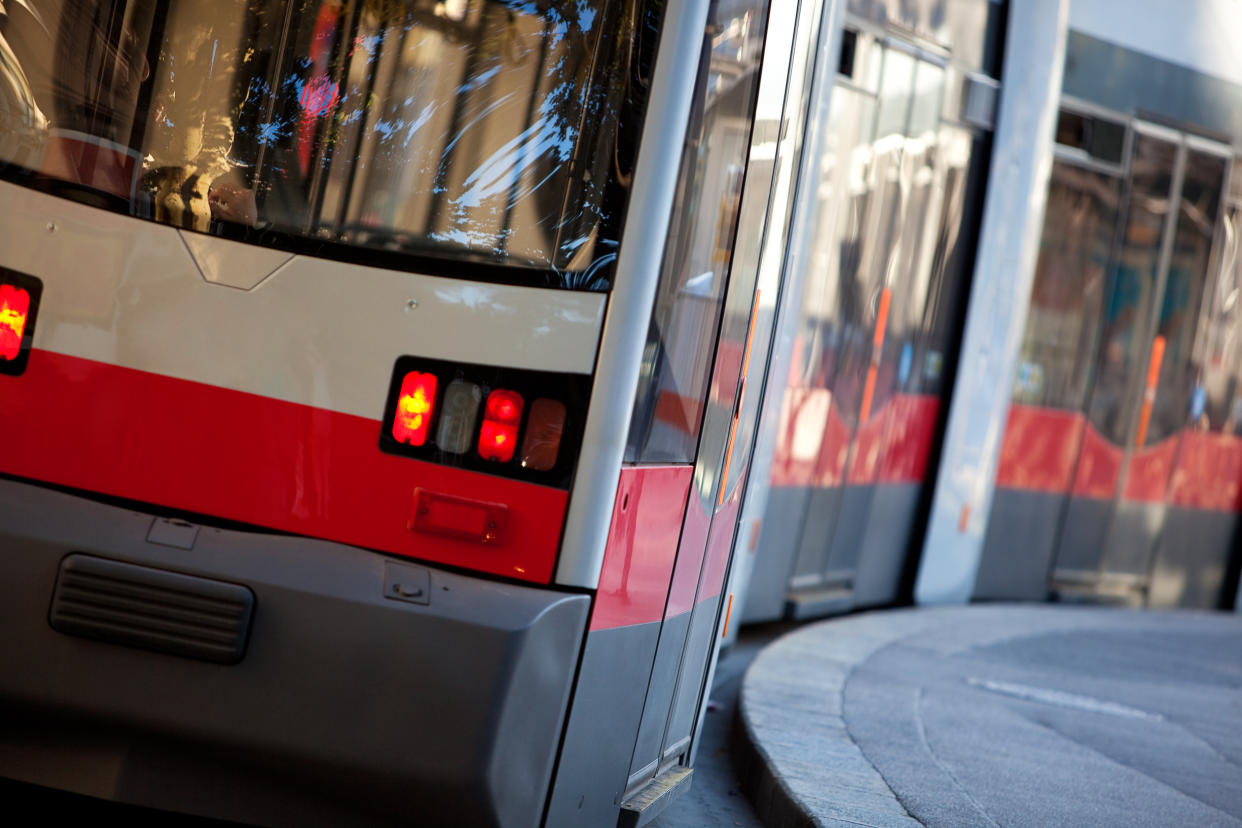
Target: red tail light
501	416
415	406
19	306
543	434
14	308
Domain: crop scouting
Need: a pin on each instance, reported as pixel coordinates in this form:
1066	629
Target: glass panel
861	299
835	258
965	160
1080	225
502	132
1098	137
909	277
1218	356
673	386
1197	215
1123	344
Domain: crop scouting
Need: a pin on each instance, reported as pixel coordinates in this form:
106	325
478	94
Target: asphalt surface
998	715
715	797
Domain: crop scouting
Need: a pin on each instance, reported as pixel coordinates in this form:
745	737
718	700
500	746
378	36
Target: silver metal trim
1081	106
1084	160
1163	133
769	385
1209	146
1018	177
974	86
629	308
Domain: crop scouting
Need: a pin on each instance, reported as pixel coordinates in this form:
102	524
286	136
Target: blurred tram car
1090	450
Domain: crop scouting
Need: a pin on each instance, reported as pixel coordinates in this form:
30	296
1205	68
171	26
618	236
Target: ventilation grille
138	606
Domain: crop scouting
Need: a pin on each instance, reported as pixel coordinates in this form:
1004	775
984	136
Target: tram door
699	345
1146	390
883	267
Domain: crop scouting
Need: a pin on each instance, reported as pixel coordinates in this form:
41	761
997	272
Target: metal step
814	603
651	801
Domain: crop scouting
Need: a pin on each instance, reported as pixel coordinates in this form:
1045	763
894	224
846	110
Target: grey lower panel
817	522
841	533
1192	559
1132	538
660	695
607	707
346	708
699	642
886	543
1018	546
774	558
850	529
1080	544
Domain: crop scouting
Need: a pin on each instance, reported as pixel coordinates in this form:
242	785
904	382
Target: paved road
715	797
999	715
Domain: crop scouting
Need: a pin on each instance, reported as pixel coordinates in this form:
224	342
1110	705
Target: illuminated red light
415	405
14	310
501	416
504	407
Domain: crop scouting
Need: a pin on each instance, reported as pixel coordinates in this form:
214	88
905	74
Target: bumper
347	707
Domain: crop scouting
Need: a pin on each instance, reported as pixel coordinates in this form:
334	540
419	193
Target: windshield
499	132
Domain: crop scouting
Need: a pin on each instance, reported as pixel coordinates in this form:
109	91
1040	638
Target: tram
877	269
1120	464
370	372
975	413
402	399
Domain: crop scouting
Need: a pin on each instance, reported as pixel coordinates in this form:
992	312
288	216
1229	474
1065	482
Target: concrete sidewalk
997	715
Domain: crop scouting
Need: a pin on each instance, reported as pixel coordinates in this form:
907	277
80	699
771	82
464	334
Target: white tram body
401	399
323	328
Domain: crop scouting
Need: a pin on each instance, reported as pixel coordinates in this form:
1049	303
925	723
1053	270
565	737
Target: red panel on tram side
1099	466
868	447
257	460
1039	448
642	545
728	369
912	427
1208	473
833	449
802	417
1147	479
689	558
718	546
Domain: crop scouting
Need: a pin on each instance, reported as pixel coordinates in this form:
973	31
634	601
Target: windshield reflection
501	130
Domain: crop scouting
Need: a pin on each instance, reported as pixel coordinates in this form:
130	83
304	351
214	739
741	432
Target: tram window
1177	320
1218	351
966	160
498	132
677	365
908	278
1064	322
1122	348
1098	137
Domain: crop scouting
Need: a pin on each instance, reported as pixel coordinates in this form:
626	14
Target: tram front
321	325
